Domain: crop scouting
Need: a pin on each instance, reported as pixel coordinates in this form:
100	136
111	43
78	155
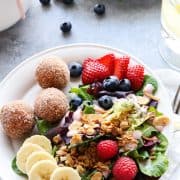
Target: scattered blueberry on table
99	9
45	2
66	27
68	1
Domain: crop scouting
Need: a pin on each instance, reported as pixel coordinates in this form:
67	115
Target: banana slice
40	140
24	153
65	173
38	156
42	170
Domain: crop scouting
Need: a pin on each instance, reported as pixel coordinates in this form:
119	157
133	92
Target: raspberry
124	169
107	149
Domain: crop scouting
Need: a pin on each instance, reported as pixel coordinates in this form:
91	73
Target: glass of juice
169	46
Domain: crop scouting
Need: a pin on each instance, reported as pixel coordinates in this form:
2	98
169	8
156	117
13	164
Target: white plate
20	84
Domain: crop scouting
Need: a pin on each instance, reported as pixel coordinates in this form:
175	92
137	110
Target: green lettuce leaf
162	147
82	92
43	126
16	169
137	154
148	80
147	130
155	111
88	108
154	168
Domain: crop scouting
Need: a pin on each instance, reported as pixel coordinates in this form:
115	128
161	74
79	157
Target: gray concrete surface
132	25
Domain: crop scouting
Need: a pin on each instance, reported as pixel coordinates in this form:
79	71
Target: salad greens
154	167
88	107
155	111
148	80
82	92
43	126
152	161
16	169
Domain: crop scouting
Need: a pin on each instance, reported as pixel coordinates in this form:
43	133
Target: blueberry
45	2
99	9
68	1
105	102
124	85
111	83
66	27
75	69
75	102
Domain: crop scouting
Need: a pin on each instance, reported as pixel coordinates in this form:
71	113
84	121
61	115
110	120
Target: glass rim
174	2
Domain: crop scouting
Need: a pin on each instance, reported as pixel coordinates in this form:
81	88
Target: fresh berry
117	69
75	103
66	27
75	69
108	61
111	83
124	85
124	169
121	66
68	1
94	71
105	102
45	2
95	88
136	76
86	61
107	149
99	9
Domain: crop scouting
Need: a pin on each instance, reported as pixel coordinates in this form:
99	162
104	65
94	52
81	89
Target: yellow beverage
170	17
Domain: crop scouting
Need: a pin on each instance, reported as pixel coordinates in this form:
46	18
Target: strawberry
136	76
106	149
121	66
124	169
86	61
94	71
108	61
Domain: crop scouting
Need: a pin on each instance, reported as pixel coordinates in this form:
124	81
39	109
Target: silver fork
176	102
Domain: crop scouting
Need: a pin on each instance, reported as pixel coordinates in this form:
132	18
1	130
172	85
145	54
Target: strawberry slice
135	74
117	69
108	61
123	63
94	71
86	61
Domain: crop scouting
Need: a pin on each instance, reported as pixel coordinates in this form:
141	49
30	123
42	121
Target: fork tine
176	97
177	109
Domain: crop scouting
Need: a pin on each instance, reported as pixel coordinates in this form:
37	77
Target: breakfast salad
106	127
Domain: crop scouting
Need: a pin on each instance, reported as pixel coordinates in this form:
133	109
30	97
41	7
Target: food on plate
65	173
51	105
112	128
24	153
17	119
42	170
52	72
124	168
75	69
42	141
36	157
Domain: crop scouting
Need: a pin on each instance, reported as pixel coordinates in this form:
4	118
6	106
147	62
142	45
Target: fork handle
176	121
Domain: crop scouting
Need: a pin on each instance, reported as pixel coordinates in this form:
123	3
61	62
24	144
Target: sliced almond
161	121
151	96
143	100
